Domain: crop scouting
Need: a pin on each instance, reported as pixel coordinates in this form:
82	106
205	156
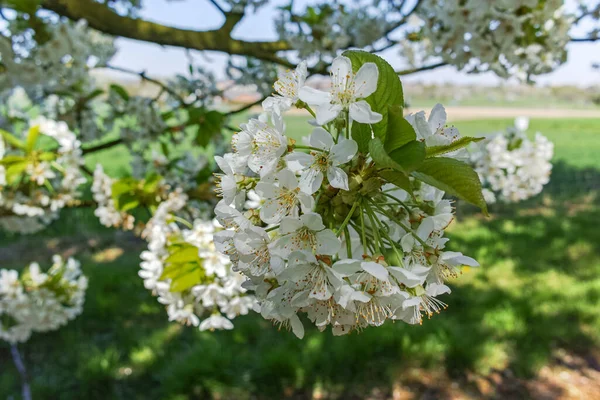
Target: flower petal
366	80
327	113
377	270
337	178
321	139
341	69
311	180
361	112
297	161
312	221
346	267
327	242
343	152
437	118
313	96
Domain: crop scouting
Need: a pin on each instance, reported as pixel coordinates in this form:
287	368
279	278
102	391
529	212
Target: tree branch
246	107
106	20
421	69
102	146
587	39
145	77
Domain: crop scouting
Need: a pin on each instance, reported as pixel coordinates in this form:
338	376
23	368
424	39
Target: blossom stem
406	228
307	148
271	228
347	218
183	221
373	228
347	124
348	242
395	198
16	356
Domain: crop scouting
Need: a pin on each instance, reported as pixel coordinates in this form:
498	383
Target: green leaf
389	87
183	267
454	177
209	124
47	156
12	140
398	179
456	145
182	254
120	90
151	183
399	131
361	133
124	194
15	171
11	159
94	94
409	156
32	138
381	157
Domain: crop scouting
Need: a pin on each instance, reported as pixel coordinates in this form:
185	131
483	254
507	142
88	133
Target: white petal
312	221
266	190
437	118
361	112
425	229
313	96
321	139
289	224
377	270
287	179
297	161
327	113
343	152
406	277
271	212
435	289
297	326
341	69
310	180
366	80
337	178
306	201
346	267
327	242
224	165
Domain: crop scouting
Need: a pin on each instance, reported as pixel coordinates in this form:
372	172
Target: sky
164	61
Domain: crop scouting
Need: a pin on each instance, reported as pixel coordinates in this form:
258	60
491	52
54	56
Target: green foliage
389	87
129	193
454	177
208	123
12	140
121	91
399	131
456	145
362	134
409	156
32	138
183	267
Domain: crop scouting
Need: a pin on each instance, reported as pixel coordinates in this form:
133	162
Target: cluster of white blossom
512	167
315	229
329	27
35	183
184	270
137	118
38	301
510	37
60	64
105	210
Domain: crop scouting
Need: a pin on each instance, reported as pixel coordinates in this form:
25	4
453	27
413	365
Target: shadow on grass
538	290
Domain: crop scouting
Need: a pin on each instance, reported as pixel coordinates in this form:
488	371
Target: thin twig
16	356
151	80
587	39
218	7
421	69
102	146
246	107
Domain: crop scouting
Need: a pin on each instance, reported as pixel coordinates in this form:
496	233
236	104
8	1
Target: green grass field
538	290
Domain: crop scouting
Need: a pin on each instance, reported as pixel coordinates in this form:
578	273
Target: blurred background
524	325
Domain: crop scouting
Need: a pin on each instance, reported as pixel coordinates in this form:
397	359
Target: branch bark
106	20
421	69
